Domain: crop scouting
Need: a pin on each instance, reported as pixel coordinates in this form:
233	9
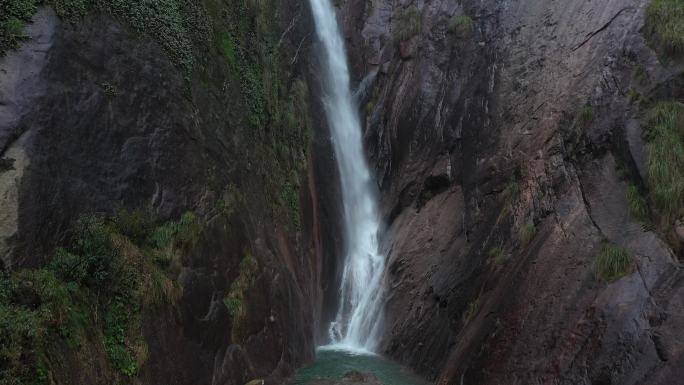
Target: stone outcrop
497	199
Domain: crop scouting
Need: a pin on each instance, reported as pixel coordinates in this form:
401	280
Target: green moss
665	135
406	23
664	27
461	26
612	263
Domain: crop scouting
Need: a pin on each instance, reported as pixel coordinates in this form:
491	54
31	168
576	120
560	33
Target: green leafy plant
407	23
612	263
103	271
14	14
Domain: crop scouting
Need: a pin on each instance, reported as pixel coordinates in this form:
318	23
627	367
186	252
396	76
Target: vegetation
512	190
640	74
638	206
234	300
612	263
461	26
585	118
664	27
161	19
13	16
98	287
665	134
407	23
235	47
526	233
273	108
498	256
472	309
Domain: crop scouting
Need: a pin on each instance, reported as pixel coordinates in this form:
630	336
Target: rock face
351	378
95	116
498	195
503	140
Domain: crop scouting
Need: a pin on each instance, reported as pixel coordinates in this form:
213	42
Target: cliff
515	152
169	200
158	189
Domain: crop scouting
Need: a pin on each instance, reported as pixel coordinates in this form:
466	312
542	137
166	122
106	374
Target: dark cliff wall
508	139
118	106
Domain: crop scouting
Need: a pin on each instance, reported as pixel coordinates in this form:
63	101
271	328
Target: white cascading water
359	316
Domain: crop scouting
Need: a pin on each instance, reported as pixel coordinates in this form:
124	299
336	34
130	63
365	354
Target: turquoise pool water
334	364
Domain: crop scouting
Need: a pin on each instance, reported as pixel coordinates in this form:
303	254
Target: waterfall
359	316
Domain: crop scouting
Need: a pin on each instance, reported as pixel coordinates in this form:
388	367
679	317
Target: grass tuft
498	256
585	117
526	233
664	27
612	263
665	134
638	206
407	23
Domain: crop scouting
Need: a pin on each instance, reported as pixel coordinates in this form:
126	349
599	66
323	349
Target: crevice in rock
592	34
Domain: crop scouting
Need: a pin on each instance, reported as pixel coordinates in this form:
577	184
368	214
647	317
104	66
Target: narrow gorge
319	192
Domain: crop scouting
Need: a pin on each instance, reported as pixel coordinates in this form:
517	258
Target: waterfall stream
359	316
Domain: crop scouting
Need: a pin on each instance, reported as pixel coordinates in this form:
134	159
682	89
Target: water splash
359	316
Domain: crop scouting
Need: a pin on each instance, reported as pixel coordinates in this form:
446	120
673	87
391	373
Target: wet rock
679	230
351	378
503	114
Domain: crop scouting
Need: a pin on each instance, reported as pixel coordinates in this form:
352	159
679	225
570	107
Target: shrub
664	27
14	14
161	19
461	26
612	263
104	270
665	134
35	305
407	23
